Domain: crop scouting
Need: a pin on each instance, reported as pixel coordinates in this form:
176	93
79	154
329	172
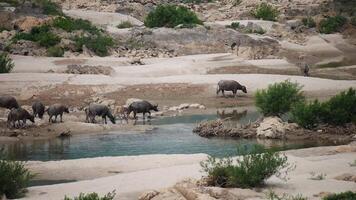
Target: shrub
309	22
39	34
273	196
170	16
332	24
234	25
125	24
341	196
353	21
14	178
307	115
55	51
99	44
278	98
6	63
69	24
252	169
49	7
93	196
266	12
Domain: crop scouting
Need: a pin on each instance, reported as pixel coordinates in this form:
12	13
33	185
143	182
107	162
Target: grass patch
342	196
170	16
93	196
271	195
69	24
278	98
39	34
332	24
55	52
6	63
234	25
266	12
99	44
309	22
251	170
49	7
125	24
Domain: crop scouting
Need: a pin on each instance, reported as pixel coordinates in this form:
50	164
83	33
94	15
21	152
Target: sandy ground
134	174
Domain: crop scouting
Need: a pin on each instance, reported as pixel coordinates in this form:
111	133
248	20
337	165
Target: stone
86	69
148	195
194	105
346	177
183	106
173	108
273	128
202	107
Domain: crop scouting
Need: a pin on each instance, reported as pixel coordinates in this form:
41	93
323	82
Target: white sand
140	173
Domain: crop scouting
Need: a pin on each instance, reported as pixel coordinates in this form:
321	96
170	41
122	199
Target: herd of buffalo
18	116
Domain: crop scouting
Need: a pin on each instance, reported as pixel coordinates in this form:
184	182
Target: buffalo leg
234	92
149	116
60	115
143	115
223	92
135	115
104	120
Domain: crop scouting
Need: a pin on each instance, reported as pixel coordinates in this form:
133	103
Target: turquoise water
171	136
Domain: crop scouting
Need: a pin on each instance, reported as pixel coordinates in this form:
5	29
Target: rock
86	69
183	106
27	48
346	177
148	195
28	22
273	128
155	114
173	108
194	105
293	24
131	100
202	107
136	61
254	28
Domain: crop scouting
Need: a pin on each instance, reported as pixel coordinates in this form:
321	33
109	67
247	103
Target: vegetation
39	34
234	25
341	196
266	12
14	178
273	196
251	170
279	98
69	24
6	63
99	44
332	24
125	24
48	7
55	51
353	21
309	22
93	196
338	110
170	16
353	164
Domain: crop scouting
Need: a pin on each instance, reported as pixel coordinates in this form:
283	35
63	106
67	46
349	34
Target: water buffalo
55	110
8	102
17	115
230	85
38	109
98	110
141	107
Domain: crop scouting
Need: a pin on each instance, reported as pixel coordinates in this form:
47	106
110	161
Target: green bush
6	63
266	12
55	51
39	34
99	44
353	21
278	98
307	115
332	24
69	24
125	24
341	196
250	170
49	7
170	16
93	196
234	25
309	22
14	178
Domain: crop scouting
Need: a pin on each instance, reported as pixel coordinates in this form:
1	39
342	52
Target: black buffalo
141	107
38	109
18	115
230	85
8	102
98	110
55	110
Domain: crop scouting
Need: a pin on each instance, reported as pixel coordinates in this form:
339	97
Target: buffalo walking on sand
18	115
230	85
55	110
38	109
8	102
141	107
98	110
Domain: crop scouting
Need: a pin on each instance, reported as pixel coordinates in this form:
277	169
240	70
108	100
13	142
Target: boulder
273	128
194	105
183	106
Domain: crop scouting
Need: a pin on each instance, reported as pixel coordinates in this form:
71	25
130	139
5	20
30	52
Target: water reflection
233	115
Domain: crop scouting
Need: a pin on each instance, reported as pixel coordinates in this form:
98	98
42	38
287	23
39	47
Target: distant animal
38	109
98	110
55	110
141	107
18	115
8	102
229	85
306	70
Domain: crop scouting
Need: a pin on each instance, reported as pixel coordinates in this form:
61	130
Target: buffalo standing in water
98	110
38	109
8	102
141	107
18	115
230	85
55	110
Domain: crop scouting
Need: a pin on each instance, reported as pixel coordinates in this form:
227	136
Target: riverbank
132	175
